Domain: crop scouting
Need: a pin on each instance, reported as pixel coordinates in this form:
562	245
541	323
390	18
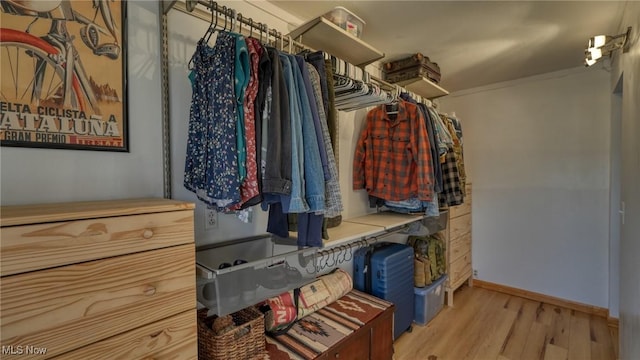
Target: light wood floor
485	324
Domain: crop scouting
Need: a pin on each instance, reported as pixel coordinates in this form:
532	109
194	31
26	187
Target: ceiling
477	43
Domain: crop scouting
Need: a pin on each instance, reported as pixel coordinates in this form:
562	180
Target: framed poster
63	74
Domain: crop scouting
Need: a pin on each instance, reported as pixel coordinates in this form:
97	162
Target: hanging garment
242	76
263	81
433	144
457	151
313	110
392	159
296	202
312	164
333	197
451	194
316	59
249	188
332	115
211	164
442	135
277	126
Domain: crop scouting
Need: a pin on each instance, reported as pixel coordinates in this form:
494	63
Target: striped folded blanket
319	331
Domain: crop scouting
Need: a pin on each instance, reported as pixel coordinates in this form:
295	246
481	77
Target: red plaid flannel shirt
393	158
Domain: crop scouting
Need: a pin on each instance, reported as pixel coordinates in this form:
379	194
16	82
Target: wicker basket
245	341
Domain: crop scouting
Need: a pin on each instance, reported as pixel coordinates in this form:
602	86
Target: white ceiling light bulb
596	53
589	62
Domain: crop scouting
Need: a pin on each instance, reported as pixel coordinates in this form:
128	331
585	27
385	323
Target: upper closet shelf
349	231
322	34
423	87
386	219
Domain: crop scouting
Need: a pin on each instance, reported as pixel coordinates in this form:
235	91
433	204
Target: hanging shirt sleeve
422	156
359	158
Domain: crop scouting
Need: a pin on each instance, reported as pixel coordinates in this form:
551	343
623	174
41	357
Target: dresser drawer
459	247
64	308
463	209
459	226
32	247
171	338
460	269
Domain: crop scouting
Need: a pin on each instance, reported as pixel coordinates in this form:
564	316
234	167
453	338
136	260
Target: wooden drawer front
460	210
32	247
460	247
460	226
382	337
355	348
172	338
67	307
459	268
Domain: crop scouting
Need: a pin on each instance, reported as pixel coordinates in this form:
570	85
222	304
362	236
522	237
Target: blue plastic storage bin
428	301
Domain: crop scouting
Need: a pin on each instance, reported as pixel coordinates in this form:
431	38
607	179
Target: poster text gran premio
21	122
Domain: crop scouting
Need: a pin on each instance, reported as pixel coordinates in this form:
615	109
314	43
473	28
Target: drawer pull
147	234
337	355
150	290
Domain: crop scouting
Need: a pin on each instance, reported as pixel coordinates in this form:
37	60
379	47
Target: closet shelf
423	87
349	231
322	34
224	291
387	219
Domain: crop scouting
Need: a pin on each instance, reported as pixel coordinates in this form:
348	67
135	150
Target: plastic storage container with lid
428	301
347	20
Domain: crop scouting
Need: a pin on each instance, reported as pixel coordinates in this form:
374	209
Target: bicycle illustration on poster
63	74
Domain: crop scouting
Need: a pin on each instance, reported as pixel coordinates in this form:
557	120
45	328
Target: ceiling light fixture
603	45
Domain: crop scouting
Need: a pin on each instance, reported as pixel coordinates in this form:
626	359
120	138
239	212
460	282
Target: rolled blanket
312	297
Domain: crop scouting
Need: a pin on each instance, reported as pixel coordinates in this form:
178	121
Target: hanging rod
390	87
190	7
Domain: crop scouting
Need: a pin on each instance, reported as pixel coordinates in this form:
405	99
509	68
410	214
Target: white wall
628	66
537	152
31	176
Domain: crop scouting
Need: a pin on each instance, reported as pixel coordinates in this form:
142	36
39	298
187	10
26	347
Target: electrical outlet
475	273
210	219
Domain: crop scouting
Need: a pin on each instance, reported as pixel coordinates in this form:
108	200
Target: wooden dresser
96	280
458	235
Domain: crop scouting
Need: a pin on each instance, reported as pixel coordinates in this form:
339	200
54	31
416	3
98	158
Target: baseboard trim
613	322
573	305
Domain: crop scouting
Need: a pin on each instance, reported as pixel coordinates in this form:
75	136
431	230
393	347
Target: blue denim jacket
313	173
315	114
333	197
294	203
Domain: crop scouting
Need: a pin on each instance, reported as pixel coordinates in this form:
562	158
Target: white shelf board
347	232
386	219
322	34
423	87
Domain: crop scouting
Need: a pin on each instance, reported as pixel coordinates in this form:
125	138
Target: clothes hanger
224	12
210	30
281	42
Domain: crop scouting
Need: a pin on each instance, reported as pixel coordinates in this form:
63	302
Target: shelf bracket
167	5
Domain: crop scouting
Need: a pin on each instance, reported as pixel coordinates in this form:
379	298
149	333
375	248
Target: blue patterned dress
211	166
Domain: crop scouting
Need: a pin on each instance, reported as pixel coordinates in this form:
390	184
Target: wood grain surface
487	325
67	307
171	338
34	214
41	246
